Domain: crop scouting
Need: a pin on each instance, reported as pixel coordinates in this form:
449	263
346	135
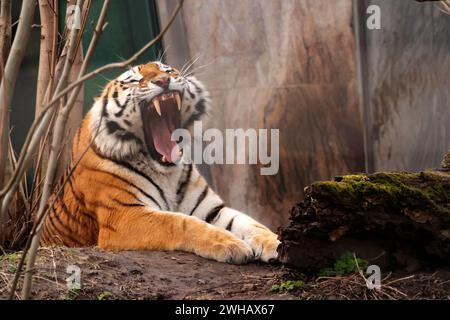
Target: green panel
131	24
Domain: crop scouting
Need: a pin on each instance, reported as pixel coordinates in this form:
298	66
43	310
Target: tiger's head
138	111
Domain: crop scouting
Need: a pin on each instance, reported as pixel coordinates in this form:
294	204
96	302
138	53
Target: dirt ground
176	275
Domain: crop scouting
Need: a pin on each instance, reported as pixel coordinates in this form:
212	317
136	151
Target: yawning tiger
129	191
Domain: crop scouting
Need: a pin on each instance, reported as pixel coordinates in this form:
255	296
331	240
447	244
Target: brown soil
176	275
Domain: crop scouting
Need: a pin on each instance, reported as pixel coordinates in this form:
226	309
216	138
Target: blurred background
345	98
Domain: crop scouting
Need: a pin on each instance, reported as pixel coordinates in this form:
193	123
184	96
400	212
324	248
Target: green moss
398	190
12	269
287	286
105	295
347	264
339	190
72	294
12	257
354	178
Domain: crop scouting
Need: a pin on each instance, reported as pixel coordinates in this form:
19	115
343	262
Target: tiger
128	188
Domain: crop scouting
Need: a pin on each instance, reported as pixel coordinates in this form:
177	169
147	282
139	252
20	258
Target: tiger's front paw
232	250
225	247
264	244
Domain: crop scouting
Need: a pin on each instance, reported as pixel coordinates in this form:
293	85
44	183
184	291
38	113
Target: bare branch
5	46
71	53
76	113
48	32
445	6
5	30
9	80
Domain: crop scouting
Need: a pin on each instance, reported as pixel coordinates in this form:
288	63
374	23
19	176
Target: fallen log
394	220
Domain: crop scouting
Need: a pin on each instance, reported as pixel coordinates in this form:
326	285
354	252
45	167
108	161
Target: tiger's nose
162	81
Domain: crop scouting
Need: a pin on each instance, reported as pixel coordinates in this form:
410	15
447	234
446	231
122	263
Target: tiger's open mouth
160	118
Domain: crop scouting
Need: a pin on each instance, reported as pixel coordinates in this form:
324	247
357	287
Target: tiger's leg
209	207
263	242
145	228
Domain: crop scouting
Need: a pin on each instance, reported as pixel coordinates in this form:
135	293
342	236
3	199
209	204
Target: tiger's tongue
161	131
163	142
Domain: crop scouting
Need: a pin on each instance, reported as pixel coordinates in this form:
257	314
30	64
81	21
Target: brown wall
292	65
407	78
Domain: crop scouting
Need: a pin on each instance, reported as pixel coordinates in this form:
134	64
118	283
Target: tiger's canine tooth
157	106
177	97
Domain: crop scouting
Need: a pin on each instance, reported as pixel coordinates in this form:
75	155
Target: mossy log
391	219
446	161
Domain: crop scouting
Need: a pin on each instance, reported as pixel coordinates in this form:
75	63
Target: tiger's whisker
194	60
200	67
162	54
190	66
